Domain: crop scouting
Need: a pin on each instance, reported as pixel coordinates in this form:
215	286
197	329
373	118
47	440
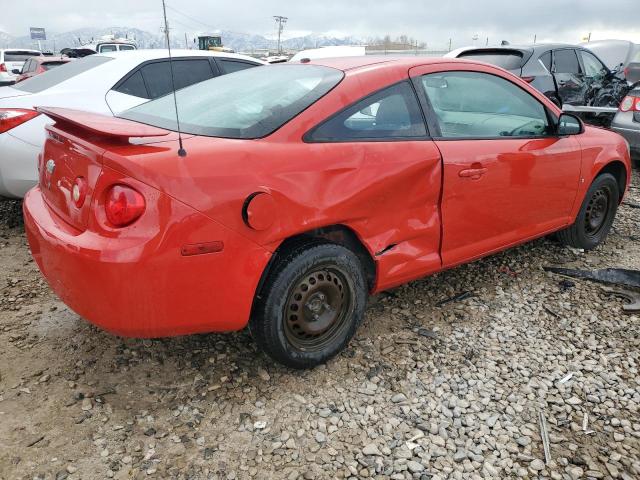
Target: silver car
627	122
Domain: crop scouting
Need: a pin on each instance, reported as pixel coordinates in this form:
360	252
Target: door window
480	105
593	68
392	113
157	75
566	61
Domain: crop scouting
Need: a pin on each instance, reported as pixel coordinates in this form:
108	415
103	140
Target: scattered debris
566	378
34	442
507	271
632	297
456	298
616	276
585	424
566	284
425	332
545	438
551	312
411	445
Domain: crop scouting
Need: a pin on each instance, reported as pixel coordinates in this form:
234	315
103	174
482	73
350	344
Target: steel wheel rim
597	211
318	309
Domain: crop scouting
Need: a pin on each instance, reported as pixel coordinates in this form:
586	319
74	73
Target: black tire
596	214
311	304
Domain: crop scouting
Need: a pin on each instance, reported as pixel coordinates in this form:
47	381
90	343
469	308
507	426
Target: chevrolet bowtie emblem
50	166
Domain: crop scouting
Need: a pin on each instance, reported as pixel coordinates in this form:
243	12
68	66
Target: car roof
152	54
352	63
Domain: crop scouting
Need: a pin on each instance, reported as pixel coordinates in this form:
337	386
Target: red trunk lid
63	160
74	149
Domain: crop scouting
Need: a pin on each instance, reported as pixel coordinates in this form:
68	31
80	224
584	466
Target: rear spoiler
102	125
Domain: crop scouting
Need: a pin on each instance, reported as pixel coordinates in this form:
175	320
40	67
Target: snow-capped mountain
241	42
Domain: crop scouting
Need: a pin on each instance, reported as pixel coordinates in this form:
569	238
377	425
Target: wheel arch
619	171
337	233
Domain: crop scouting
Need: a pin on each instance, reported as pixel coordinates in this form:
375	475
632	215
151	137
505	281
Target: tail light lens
12	117
3	67
630	103
123	205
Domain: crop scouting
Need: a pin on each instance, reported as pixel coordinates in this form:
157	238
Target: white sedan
106	83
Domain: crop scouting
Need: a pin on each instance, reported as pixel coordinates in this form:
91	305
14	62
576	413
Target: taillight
3	67
123	205
79	191
630	103
12	117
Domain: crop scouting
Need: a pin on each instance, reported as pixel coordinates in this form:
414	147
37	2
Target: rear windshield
509	60
19	55
58	75
50	65
248	104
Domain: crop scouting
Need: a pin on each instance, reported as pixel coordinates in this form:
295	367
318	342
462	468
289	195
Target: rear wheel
311	304
596	214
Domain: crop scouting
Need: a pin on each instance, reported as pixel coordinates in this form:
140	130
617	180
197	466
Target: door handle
473	173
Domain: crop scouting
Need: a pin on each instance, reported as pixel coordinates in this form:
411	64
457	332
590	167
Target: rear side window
566	61
19	56
230	66
126	47
134	85
545	58
157	75
58	75
509	59
390	114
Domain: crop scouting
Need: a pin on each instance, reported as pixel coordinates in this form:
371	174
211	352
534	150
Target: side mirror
569	124
16	71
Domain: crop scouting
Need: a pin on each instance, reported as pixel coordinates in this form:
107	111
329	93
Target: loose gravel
423	392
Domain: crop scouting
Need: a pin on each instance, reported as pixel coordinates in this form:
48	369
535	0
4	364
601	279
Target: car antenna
181	151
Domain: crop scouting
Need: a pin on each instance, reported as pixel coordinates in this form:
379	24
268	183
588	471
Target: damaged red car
304	188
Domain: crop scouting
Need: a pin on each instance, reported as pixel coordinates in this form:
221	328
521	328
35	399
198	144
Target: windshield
251	103
58	75
509	60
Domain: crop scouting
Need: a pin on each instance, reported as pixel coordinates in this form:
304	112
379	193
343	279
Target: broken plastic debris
566	378
615	276
545	438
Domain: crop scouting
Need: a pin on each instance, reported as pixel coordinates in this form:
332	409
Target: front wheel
596	215
311	304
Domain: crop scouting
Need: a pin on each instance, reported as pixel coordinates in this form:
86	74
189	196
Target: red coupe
304	188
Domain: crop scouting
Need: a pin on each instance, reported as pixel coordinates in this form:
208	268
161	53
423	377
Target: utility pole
186	42
281	21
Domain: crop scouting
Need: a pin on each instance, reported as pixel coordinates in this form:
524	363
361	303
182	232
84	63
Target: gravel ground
423	391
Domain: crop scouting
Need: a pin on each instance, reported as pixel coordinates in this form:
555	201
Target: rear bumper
142	286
